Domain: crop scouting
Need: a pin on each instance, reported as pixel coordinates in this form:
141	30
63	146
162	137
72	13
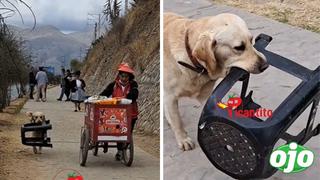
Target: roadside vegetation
14	65
14	59
300	13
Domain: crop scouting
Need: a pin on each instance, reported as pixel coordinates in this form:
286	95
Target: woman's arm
73	85
134	92
108	91
83	84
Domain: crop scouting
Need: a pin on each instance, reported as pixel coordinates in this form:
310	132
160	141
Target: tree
112	11
14	65
14	60
75	65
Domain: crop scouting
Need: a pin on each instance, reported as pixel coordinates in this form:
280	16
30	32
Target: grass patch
300	13
281	15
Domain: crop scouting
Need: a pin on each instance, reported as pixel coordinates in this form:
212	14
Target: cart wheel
84	147
95	150
127	156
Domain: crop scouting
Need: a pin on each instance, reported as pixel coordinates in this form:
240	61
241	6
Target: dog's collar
197	66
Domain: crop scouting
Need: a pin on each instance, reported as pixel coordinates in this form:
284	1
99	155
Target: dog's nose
263	67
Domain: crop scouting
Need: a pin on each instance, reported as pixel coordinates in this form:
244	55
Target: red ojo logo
68	174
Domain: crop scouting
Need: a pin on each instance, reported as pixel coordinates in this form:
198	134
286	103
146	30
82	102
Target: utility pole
64	61
80	54
126	6
2	25
97	23
1	21
95	31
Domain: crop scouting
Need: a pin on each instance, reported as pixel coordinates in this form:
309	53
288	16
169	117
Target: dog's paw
35	150
186	144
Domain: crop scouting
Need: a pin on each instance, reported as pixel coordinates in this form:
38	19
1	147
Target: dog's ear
29	114
204	51
43	117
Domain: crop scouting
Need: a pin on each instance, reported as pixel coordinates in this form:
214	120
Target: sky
66	15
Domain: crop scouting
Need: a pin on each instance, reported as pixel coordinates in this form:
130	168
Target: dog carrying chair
241	146
42	141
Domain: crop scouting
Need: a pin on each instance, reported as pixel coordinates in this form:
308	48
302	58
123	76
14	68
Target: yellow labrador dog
196	54
39	119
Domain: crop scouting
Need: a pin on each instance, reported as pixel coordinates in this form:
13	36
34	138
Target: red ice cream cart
104	126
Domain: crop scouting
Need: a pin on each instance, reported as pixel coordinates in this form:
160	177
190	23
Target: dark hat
77	73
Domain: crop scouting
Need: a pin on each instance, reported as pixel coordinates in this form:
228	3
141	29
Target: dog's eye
242	47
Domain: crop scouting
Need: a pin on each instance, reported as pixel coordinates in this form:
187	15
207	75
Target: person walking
124	86
67	80
42	81
32	83
77	91
62	84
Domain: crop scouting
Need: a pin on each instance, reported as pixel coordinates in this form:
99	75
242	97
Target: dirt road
269	89
65	152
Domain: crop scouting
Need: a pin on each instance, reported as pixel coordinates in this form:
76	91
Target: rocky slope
134	39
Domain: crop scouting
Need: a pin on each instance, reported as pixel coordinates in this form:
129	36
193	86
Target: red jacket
130	92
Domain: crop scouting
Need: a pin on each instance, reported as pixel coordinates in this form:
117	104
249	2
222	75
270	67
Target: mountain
50	47
83	37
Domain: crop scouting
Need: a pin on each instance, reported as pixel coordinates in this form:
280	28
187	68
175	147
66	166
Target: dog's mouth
255	69
254	66
227	71
38	122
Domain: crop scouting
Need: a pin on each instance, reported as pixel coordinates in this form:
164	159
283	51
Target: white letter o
301	155
273	158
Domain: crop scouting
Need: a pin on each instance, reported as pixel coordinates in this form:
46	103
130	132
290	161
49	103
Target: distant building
49	69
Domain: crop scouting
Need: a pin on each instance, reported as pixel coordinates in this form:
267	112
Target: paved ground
65	152
270	88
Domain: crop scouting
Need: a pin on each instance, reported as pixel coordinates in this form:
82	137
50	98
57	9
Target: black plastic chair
42	129
241	146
